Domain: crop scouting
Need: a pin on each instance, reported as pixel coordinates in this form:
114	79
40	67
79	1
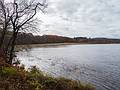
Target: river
98	64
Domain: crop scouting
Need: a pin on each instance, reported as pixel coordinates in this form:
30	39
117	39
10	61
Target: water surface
98	64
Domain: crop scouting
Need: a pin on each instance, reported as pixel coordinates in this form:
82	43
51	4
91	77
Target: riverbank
17	78
29	46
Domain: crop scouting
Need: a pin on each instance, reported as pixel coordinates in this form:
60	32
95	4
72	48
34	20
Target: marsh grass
15	78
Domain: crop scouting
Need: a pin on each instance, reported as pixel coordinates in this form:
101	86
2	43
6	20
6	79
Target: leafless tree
4	21
21	15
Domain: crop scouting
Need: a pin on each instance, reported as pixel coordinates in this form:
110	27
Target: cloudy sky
90	18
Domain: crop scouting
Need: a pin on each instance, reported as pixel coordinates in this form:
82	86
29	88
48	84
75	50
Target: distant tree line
29	38
24	38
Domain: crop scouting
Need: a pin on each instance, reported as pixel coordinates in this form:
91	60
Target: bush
8	71
34	79
35	73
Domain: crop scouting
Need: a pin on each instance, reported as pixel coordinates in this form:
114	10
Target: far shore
29	46
21	47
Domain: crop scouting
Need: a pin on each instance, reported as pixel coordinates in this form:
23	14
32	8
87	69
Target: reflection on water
97	64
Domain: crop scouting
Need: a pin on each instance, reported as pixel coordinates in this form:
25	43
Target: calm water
97	64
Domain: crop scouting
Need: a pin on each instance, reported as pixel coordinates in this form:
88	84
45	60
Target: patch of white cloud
91	18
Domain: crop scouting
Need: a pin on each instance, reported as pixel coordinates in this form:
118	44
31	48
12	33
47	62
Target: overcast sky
90	18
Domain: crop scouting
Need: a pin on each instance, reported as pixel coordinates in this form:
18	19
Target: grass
16	78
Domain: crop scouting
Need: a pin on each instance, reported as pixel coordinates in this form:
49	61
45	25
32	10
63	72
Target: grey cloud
90	18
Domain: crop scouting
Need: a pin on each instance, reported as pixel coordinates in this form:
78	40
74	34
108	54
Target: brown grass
16	78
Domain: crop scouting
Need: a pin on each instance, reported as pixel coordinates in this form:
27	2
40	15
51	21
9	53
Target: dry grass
16	78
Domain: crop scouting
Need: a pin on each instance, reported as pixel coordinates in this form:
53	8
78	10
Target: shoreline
59	44
17	78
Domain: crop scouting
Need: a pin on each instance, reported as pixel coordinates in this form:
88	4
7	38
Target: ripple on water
97	64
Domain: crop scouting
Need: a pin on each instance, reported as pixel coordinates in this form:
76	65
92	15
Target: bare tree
24	13
21	16
4	21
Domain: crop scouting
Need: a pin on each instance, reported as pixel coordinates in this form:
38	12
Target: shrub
34	79
8	71
34	72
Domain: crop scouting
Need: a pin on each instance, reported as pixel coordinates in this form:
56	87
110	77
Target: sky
86	18
83	18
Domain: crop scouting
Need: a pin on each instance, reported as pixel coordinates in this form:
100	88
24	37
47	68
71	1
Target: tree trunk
3	37
12	47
